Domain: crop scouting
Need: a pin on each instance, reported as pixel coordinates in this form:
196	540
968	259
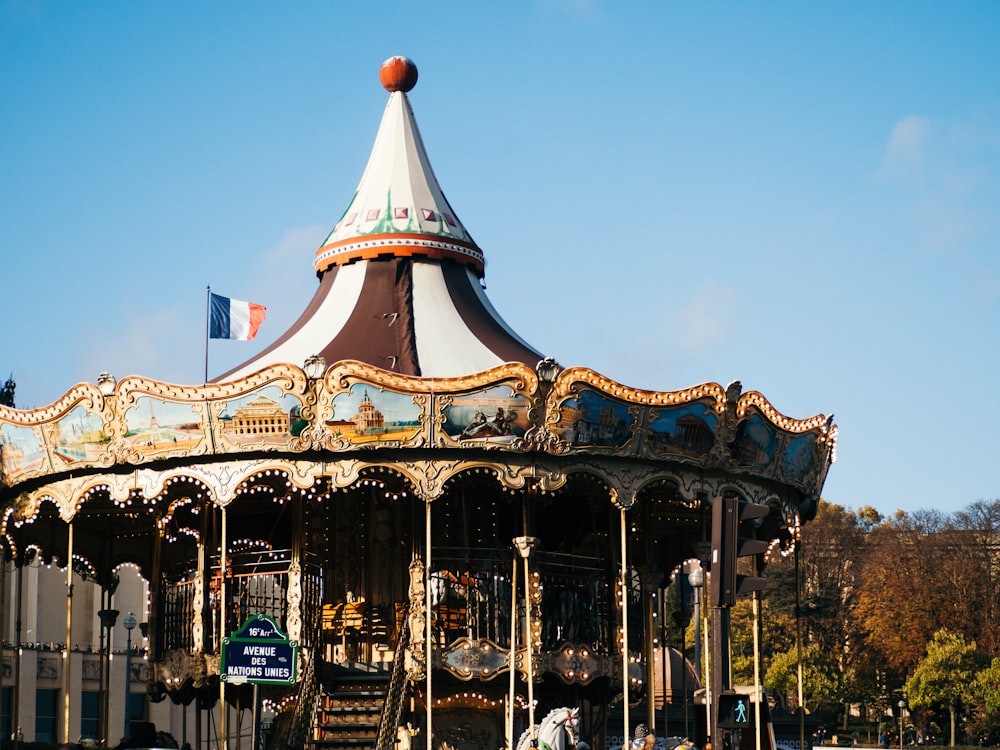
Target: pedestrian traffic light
732	538
734	711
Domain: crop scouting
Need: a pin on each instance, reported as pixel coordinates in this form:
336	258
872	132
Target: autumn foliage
879	599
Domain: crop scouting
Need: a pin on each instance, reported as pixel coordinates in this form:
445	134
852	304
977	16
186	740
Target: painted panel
800	457
154	426
687	430
22	450
495	415
756	442
590	419
366	414
78	437
266	417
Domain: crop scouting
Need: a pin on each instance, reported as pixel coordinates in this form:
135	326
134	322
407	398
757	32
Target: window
6	712
46	715
90	714
136	712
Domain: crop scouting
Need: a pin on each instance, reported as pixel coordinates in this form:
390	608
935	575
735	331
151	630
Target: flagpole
208	321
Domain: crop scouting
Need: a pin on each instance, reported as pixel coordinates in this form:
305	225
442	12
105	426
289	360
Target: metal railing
307	701
256	583
393	708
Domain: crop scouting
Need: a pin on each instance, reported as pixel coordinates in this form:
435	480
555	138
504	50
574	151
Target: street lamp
129	623
697	580
902	706
108	618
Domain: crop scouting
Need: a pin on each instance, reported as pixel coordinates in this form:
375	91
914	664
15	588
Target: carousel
444	536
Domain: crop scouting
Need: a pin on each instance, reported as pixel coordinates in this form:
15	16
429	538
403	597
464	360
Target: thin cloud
156	344
934	173
586	11
701	323
168	344
906	151
283	276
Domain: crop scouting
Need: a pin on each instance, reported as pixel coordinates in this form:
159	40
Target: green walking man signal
730	517
734	711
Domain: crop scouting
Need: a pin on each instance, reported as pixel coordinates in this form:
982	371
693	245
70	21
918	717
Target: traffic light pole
729	512
719	671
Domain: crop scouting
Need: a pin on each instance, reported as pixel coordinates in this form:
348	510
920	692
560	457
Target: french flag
233	318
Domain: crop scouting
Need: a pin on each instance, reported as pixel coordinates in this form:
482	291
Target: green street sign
259	653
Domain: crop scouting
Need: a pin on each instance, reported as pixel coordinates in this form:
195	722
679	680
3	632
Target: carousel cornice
90	437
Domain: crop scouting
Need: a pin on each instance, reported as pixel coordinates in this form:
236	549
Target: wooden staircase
350	706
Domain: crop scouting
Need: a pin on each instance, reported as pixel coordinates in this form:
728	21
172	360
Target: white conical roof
399	274
399	208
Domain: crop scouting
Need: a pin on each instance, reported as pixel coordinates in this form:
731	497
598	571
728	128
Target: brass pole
525	544
223	729
512	654
428	648
624	595
67	652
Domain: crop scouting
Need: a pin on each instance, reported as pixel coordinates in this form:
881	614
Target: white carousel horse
557	731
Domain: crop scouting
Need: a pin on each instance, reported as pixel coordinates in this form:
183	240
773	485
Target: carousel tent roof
399	274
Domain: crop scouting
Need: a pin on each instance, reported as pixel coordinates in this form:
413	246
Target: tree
822	680
986	722
973	570
830	557
903	594
7	392
946	676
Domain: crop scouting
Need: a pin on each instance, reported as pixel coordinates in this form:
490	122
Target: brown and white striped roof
399	274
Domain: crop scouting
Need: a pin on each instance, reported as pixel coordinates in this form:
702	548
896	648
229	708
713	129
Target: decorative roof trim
346	251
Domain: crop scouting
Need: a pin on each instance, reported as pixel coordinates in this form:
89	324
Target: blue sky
802	196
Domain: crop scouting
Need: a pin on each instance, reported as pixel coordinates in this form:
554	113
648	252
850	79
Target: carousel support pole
624	641
428	646
513	654
201	589
152	616
525	544
3	605
296	608
67	652
15	723
798	650
664	661
223	729
648	598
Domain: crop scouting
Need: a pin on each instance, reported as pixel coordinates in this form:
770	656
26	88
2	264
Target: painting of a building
262	416
368	420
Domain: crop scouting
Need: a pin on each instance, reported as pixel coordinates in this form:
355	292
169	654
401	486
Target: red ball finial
398	74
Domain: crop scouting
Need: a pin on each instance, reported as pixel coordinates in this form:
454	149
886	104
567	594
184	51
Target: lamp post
902	707
108	618
129	623
697	580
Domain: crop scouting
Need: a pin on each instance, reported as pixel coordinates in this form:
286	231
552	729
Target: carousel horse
557	731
